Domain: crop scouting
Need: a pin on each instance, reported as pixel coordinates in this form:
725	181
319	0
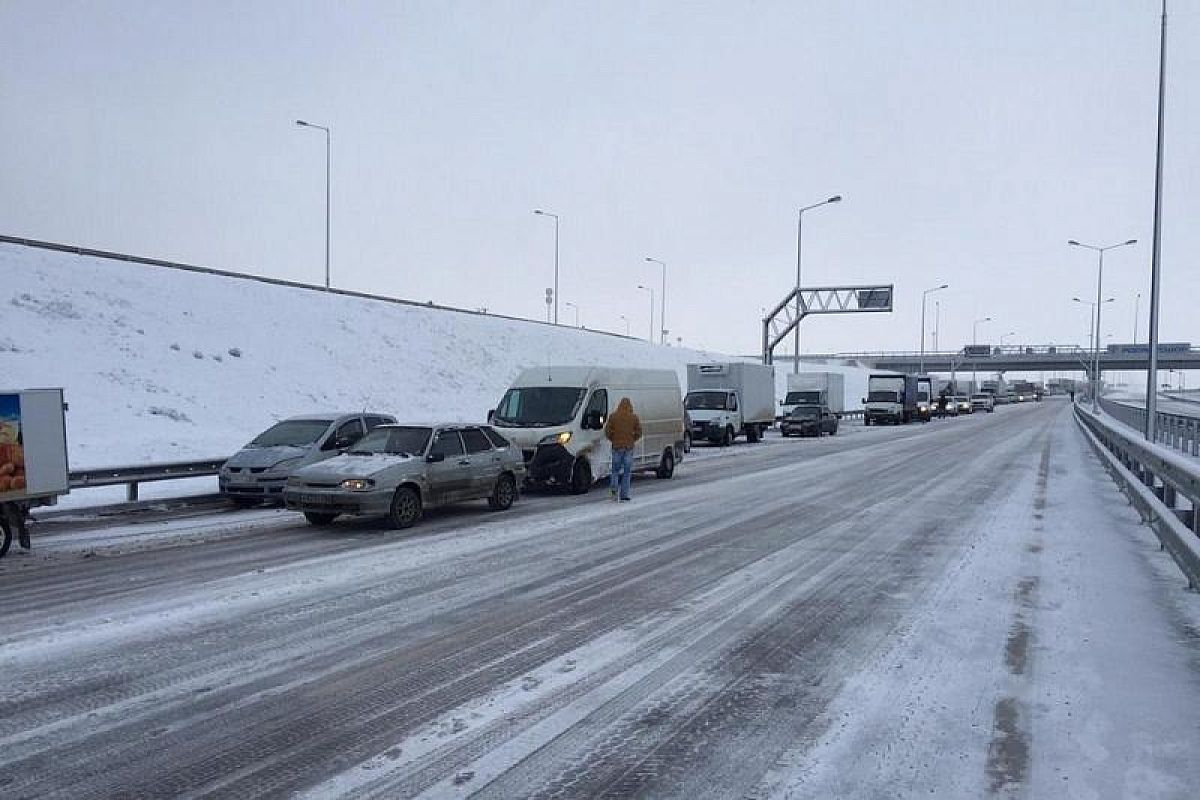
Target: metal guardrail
1177	431
1155	481
130	477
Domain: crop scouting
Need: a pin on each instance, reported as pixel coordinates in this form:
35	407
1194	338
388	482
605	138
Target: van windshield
395	441
292	433
537	406
705	401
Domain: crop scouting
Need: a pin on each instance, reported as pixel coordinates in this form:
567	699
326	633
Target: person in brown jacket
623	429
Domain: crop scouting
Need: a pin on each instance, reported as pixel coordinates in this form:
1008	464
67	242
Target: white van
556	416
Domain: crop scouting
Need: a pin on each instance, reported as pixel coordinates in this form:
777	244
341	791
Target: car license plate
315	499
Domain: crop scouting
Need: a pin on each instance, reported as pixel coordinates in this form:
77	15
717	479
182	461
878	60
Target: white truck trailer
728	400
814	389
33	457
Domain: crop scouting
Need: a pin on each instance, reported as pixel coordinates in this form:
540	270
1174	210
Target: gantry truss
801	302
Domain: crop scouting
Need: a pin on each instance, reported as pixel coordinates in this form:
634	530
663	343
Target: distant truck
925	398
891	397
728	400
814	389
33	458
997	388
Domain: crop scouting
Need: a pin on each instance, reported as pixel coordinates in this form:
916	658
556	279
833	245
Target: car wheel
319	518
666	467
687	443
5	539
834	431
866	422
581	477
406	508
504	493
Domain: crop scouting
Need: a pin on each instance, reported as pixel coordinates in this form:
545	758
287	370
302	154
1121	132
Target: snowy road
944	610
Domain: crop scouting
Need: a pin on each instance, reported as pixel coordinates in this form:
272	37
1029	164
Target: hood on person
623	428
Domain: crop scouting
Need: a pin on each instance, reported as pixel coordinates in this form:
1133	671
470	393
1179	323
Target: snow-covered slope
160	363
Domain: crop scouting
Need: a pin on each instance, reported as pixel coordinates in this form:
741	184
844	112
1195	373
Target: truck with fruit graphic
33	458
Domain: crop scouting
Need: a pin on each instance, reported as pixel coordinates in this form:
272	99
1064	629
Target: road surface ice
965	608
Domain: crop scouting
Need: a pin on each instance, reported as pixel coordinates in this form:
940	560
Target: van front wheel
581	478
666	467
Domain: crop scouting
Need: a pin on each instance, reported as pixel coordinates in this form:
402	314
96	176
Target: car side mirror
435	456
491	415
864	401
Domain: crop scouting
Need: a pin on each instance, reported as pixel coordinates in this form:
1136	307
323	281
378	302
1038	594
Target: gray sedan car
398	471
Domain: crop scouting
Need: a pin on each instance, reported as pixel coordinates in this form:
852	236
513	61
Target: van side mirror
435	456
594	420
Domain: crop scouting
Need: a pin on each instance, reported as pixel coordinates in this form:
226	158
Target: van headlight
556	438
358	484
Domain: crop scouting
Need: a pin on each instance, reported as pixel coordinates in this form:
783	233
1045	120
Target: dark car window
393	441
448	443
496	439
375	422
292	432
475	441
347	434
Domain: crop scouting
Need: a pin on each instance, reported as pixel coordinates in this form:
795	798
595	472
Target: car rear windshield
538	406
393	440
705	401
292	433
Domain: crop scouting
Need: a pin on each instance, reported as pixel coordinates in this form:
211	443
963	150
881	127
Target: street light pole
975	341
1096	338
1137	303
837	198
328	137
541	213
1005	336
1094	341
572	305
937	324
1156	257
651	291
924	295
662	316
626	320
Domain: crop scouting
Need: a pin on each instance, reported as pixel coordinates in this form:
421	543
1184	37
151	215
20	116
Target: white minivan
556	416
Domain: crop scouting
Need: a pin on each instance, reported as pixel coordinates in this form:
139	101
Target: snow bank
163	364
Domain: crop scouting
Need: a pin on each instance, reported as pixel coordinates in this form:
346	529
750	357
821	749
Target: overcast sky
969	139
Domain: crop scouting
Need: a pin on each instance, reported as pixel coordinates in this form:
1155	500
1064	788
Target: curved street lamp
328	136
925	294
662	314
1099	289
837	198
651	291
542	213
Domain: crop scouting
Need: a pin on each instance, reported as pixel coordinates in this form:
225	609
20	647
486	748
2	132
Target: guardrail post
1168	495
131	492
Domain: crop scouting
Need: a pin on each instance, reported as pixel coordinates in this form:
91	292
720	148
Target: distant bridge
1013	358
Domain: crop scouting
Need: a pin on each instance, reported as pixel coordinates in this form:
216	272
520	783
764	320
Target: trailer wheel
753	434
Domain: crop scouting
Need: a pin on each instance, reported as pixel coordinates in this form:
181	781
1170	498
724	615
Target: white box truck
556	416
814	389
728	400
33	457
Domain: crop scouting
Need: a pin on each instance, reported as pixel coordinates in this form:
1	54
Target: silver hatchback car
260	470
398	471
